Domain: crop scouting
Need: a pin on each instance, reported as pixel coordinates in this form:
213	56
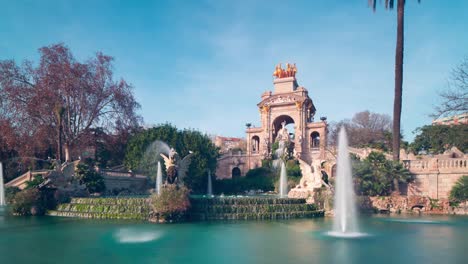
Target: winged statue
311	174
176	169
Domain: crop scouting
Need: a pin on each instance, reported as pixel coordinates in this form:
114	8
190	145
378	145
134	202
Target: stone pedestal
300	193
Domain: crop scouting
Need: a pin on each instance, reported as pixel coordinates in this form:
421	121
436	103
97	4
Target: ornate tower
288	103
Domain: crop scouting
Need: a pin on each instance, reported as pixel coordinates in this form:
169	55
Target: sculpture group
176	168
290	71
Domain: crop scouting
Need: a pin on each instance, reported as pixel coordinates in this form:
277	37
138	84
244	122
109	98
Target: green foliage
10	193
293	169
375	174
255	179
172	203
35	182
263	178
459	192
267	163
439	138
204	157
93	180
29	202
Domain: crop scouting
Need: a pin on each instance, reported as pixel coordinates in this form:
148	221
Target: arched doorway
277	125
236	172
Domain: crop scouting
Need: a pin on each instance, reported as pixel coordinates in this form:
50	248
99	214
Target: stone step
89	215
256	216
246	200
98	208
109	201
262	208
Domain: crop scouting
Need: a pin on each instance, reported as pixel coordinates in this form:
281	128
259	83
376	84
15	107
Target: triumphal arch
288	103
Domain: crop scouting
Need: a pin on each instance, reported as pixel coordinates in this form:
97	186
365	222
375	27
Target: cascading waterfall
209	190
159	178
283	180
2	187
345	219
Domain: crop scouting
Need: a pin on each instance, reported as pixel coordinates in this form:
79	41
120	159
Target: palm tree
398	75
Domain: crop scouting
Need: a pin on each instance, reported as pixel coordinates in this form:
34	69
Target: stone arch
314	140
236	172
255	143
276	124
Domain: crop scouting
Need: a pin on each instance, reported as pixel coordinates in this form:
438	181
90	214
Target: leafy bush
204	158
255	179
93	180
439	138
172	203
29	202
459	192
35	182
375	174
34	201
10	193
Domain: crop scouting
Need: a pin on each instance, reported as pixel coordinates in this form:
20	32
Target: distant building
452	120
227	144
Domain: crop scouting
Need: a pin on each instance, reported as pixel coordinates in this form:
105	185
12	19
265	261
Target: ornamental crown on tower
290	71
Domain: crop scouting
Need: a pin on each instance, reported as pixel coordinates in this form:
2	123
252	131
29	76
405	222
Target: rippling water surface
441	239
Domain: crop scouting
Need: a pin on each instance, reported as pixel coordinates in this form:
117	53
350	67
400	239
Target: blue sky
204	64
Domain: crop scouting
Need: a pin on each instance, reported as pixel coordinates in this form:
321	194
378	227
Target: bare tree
455	97
365	129
63	98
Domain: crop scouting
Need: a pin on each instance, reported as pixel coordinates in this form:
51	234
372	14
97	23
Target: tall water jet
283	180
2	187
159	178
345	220
209	190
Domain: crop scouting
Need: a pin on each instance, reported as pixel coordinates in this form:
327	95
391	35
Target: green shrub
28	202
172	203
256	179
258	172
10	193
293	169
93	180
459	192
375	174
35	182
33	201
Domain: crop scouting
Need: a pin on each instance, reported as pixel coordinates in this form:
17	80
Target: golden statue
278	71
282	73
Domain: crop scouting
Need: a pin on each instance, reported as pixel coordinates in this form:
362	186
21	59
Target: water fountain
345	219
209	190
2	187
283	180
159	178
281	156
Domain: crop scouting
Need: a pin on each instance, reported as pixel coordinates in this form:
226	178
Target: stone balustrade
437	165
435	177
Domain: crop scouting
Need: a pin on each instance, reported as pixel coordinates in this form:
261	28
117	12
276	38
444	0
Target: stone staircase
104	208
251	208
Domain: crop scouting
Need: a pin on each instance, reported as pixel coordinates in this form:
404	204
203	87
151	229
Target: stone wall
408	204
124	180
231	160
435	177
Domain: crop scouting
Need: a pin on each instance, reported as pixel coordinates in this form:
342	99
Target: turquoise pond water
428	239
